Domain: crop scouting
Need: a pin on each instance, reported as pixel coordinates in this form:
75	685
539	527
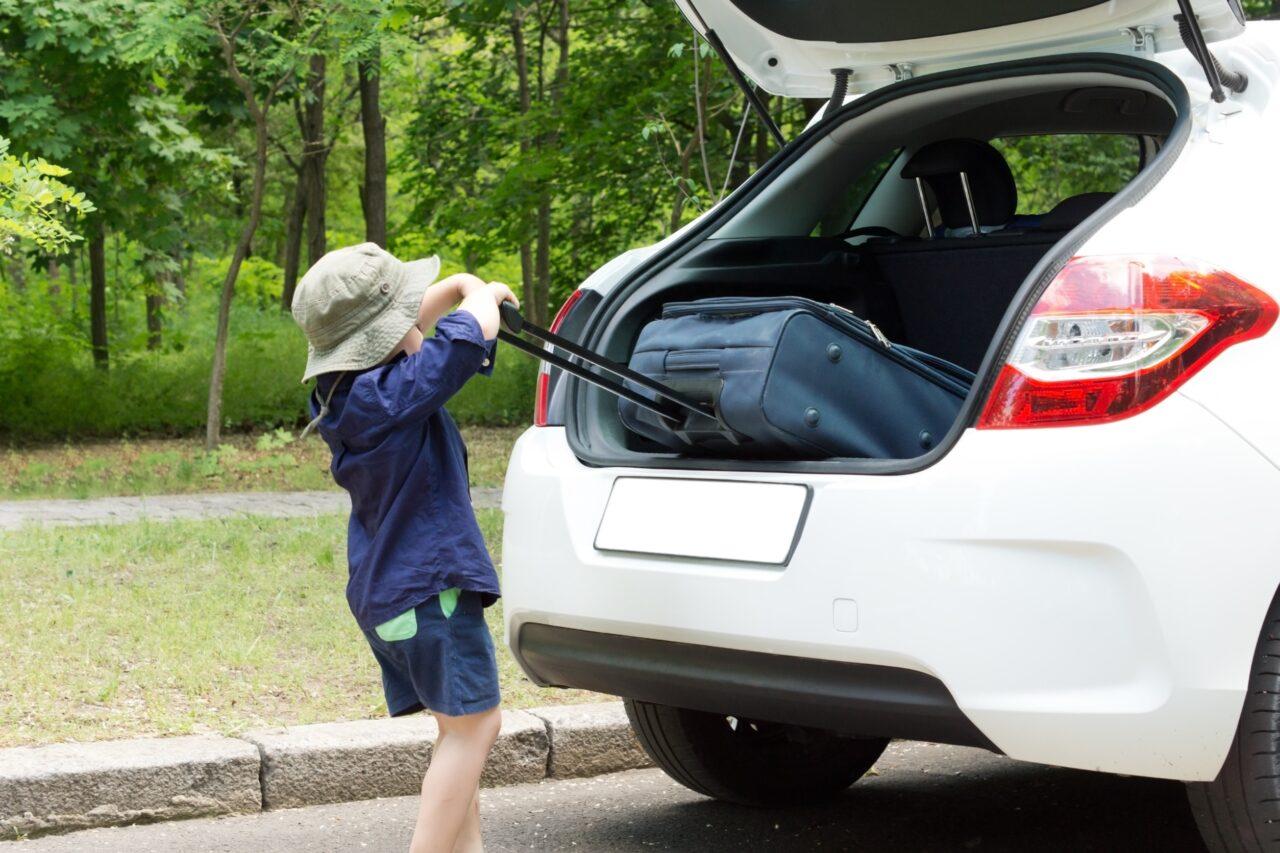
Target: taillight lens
1113	336
542	390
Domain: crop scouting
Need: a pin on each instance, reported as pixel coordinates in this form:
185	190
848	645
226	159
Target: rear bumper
1084	597
851	698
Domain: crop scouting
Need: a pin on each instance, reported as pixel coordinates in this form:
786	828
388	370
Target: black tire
1239	812
751	763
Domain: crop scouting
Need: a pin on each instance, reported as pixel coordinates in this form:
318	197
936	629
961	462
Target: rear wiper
1193	38
761	111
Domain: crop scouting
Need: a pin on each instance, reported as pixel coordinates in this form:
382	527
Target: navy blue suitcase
786	377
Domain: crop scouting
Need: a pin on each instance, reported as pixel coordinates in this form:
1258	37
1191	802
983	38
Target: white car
1083	571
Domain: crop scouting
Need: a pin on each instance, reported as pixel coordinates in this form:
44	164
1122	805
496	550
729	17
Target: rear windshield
839	218
1049	168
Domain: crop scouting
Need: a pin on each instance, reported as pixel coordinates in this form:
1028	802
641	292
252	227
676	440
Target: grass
183	627
269	461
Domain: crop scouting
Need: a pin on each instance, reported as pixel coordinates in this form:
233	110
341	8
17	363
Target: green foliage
260	282
504	398
34	203
607	151
52	390
1048	169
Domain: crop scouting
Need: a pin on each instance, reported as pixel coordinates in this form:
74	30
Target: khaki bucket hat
356	304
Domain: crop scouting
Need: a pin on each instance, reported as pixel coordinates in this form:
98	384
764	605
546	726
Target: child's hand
502	293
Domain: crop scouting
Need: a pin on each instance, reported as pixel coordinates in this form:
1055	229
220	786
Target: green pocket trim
449	601
403	627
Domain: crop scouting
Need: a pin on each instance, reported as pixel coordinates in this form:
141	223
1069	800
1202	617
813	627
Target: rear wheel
1239	812
748	762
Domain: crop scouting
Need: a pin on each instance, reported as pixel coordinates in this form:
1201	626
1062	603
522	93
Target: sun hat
356	304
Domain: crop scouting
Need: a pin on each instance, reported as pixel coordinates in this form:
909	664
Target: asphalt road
923	798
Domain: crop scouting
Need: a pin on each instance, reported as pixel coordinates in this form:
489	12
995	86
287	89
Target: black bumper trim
851	698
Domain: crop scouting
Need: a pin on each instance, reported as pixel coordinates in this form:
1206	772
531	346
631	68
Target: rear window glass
840	216
1050	168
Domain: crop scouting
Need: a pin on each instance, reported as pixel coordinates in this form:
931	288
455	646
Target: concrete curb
590	740
72	786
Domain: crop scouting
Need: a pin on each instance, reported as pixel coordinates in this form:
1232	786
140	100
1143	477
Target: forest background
208	151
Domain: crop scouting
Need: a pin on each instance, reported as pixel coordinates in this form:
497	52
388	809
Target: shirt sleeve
490	356
416	386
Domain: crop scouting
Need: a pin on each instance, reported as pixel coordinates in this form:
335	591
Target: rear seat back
952	293
991	196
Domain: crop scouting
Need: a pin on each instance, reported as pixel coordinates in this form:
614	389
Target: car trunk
957	296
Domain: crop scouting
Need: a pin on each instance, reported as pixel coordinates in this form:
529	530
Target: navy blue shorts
447	665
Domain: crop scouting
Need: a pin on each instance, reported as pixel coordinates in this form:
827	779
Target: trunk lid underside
791	47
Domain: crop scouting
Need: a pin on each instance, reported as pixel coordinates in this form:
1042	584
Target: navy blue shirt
397	452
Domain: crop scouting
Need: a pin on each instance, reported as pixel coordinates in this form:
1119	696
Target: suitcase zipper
875	330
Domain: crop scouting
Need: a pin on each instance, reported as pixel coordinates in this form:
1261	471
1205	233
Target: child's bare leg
469	838
449	788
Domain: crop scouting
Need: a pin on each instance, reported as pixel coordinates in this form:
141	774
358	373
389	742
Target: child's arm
413	387
443	295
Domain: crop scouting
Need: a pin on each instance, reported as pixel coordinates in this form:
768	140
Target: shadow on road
987	803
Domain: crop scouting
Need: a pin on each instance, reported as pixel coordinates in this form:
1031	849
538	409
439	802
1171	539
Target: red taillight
542	390
542	396
1113	336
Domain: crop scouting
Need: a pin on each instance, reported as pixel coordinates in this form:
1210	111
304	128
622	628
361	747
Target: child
420	576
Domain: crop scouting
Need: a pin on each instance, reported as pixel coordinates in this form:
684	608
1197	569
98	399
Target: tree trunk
373	193
293	242
763	140
98	294
682	193
155	319
527	295
180	263
540	305
314	154
73	282
55	285
213	422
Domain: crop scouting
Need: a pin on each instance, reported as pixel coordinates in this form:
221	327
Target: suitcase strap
670	400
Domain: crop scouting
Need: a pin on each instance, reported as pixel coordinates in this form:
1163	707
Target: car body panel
1021	573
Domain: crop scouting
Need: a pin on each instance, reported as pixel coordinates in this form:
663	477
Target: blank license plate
709	519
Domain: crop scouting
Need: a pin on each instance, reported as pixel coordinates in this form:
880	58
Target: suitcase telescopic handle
516	323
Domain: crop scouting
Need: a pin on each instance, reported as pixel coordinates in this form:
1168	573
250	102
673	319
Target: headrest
995	196
1070	212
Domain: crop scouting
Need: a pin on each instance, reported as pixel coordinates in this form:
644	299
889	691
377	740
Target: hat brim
372	343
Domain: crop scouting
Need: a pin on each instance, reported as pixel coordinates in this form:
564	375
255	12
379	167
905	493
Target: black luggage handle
512	319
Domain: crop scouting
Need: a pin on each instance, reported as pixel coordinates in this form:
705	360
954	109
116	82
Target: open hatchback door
793	47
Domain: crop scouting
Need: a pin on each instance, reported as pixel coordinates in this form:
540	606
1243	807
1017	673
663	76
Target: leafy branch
34	203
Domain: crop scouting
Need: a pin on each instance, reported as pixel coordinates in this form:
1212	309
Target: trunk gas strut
713	39
1193	38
